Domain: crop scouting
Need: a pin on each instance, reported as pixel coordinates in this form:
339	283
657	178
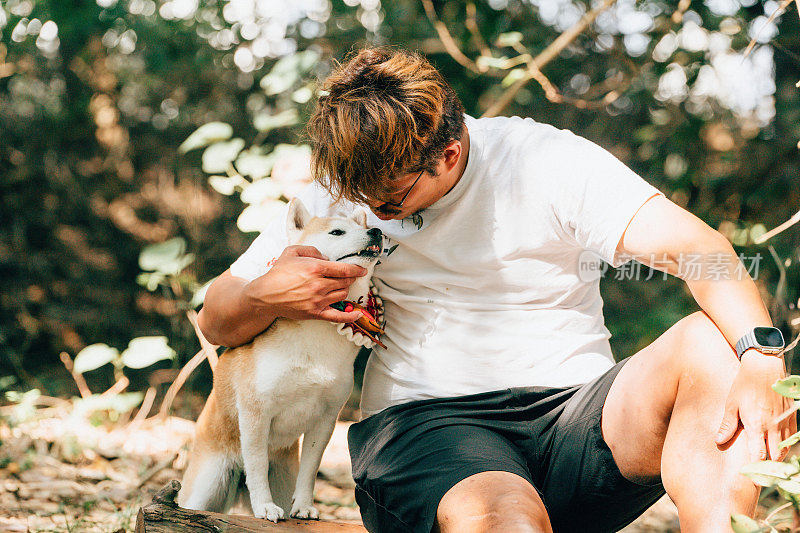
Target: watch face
770	337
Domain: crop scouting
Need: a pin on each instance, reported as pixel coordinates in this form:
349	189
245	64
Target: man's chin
396	216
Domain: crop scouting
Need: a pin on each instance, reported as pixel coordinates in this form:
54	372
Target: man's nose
374	232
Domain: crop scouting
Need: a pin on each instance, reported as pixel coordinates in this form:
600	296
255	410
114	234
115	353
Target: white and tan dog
291	380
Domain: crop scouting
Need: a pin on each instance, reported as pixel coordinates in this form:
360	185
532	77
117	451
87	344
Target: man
496	405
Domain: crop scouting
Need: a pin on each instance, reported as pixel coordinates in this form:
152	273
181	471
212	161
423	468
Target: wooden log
164	516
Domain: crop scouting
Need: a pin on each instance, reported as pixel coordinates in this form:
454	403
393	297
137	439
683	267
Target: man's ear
296	219
360	216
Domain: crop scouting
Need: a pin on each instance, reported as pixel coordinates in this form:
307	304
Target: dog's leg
205	485
314	442
283	466
254	431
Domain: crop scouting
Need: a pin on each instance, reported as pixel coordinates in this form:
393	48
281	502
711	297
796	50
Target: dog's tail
283	467
206	483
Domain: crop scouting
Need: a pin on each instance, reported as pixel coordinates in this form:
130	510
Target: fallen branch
164	515
158	467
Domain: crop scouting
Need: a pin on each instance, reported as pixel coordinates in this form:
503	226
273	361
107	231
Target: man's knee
492	501
704	349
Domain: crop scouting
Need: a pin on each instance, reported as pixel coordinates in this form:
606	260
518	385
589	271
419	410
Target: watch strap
747	341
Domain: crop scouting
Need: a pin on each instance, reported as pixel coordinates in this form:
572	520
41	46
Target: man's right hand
302	284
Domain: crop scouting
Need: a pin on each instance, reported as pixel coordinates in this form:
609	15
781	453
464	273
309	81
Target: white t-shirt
487	292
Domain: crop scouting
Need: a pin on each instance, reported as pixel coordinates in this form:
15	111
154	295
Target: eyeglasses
382	207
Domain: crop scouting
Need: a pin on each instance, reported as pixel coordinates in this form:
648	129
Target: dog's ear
360	216
296	219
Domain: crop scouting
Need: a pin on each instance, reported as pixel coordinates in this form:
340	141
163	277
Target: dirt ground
63	473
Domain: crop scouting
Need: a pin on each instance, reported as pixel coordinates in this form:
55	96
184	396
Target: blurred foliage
143	143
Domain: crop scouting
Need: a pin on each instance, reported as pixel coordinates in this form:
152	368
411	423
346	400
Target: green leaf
302	95
789	485
254	164
788	386
768	473
7	381
276	83
790	441
508	39
164	256
513	77
205	135
287	71
484	62
94	356
307	59
121	403
26	404
163	259
261	190
258	216
744	524
265	122
200	294
222	184
217	157
145	351
757	231
150	280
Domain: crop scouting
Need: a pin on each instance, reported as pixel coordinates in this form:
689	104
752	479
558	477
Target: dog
290	380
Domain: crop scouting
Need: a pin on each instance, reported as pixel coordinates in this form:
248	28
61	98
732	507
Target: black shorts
406	457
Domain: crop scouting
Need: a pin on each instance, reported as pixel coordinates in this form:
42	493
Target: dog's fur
292	379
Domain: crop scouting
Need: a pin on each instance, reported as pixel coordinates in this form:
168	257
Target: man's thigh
640	404
402	471
581	486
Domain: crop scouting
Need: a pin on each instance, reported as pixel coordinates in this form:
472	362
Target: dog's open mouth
373	250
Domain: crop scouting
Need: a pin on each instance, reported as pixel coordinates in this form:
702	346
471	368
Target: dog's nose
374	232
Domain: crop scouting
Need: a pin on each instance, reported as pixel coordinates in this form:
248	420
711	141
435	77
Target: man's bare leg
492	501
661	417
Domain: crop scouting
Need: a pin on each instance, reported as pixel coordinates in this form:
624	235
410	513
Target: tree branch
208	348
472	26
447	39
176	386
83	388
546	55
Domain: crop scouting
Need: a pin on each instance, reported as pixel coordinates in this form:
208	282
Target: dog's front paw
270	511
304	512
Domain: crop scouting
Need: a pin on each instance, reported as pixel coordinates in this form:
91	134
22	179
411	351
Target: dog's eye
336	232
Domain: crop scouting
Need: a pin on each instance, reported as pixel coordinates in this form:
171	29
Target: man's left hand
752	400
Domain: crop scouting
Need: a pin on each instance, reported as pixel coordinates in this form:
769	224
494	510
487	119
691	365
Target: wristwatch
767	340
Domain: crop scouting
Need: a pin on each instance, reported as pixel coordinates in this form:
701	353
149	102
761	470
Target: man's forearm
730	297
228	317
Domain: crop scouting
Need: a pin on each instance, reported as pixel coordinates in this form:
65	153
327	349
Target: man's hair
382	114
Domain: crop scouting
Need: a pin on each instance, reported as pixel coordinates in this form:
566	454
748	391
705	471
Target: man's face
412	192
